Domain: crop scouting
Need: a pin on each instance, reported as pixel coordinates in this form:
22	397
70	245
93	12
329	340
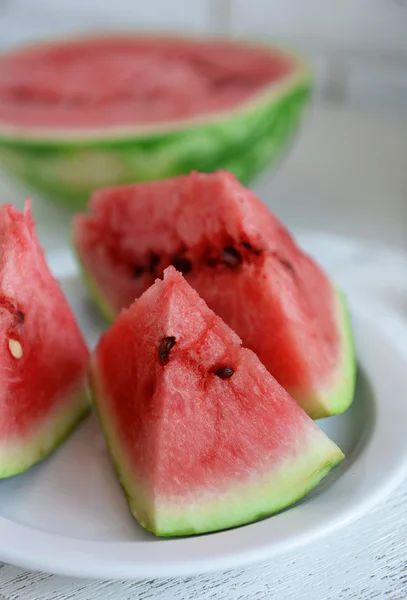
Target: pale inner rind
260	495
18	454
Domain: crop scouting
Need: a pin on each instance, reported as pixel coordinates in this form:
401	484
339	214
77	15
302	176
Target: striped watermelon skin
66	168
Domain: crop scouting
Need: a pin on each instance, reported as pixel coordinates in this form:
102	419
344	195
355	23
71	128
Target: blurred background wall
358	47
347	171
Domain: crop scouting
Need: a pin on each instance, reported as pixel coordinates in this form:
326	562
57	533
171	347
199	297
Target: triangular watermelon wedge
202	436
43	357
241	260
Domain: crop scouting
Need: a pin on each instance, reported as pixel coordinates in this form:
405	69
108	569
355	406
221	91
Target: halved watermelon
43	357
241	260
202	436
80	114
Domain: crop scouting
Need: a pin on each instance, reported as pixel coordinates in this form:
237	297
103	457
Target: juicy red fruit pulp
43	357
233	251
110	82
193	410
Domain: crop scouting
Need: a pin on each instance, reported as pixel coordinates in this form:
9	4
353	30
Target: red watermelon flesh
202	436
135	81
241	260
43	357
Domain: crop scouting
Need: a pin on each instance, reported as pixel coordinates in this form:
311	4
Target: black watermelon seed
248	246
138	271
287	265
164	349
154	261
251	248
182	264
224	372
231	257
20	316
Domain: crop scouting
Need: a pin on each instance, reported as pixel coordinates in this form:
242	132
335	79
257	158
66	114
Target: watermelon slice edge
185	471
44	358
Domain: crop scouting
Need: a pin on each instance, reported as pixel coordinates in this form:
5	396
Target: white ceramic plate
68	515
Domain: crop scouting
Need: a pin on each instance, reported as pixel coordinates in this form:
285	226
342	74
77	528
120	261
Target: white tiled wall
379	26
32	19
358	47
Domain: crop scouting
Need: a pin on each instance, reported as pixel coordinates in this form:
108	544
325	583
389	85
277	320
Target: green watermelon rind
242	505
67	166
52	431
339	396
254	503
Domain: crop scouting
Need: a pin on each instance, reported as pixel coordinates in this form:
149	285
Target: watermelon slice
202	436
43	356
241	260
80	114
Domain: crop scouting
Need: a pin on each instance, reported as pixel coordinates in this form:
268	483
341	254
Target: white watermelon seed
16	348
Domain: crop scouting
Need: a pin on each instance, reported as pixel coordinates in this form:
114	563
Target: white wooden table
347	174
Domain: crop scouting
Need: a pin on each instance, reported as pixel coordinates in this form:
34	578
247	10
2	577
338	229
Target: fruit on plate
244	264
80	114
43	357
202	436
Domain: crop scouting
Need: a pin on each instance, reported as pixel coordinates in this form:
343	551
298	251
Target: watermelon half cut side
243	263
202	436
80	114
43	357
